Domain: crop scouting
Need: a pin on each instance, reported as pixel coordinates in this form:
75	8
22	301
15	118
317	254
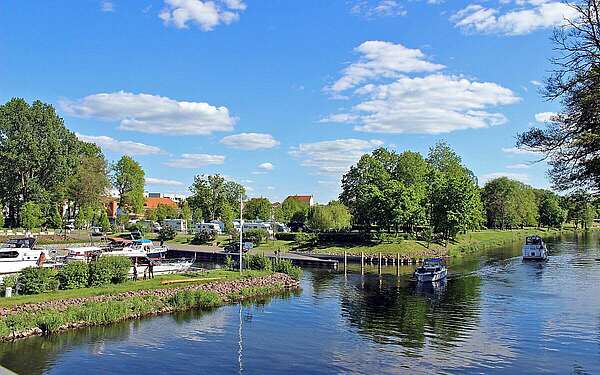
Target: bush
256	236
34	280
186	299
166	233
9	282
229	264
203	237
286	266
137	227
286	236
109	269
257	262
49	322
74	275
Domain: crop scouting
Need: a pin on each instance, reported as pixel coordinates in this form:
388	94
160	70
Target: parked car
235	247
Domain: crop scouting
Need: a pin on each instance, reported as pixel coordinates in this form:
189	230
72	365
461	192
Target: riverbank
415	249
44	314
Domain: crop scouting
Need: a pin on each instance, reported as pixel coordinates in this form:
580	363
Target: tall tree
37	154
293	210
257	208
570	141
212	196
128	179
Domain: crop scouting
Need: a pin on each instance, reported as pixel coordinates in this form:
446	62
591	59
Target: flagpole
241	230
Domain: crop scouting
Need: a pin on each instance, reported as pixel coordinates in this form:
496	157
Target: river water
495	315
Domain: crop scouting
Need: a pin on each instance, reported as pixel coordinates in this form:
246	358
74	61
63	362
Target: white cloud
107	6
123	147
195	161
518	166
163	182
204	13
535	82
266	166
520	151
378	8
524	178
333	157
544	116
152	113
381	59
525	17
390	101
250	141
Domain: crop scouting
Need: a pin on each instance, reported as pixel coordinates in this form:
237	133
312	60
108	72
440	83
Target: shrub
286	266
137	227
229	264
74	275
286	236
204	236
166	233
9	282
256	236
109	269
49	321
34	280
186	299
257	262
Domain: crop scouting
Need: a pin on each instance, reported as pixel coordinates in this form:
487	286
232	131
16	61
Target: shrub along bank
23	320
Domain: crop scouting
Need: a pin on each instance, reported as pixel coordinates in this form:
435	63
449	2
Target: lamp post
241	230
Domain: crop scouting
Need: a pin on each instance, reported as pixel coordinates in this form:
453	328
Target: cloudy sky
283	96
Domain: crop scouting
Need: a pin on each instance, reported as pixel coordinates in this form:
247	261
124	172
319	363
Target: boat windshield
533	240
19	243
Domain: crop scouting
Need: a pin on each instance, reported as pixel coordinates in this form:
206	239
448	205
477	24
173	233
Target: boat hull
430	277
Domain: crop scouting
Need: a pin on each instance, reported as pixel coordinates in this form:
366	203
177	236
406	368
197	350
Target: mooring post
380	263
345	261
362	263
398	264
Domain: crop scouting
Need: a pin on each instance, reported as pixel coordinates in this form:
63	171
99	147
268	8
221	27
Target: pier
217	255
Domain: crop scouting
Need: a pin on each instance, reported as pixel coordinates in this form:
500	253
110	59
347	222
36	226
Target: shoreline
54	316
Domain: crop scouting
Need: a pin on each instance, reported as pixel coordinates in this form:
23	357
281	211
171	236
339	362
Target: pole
241	230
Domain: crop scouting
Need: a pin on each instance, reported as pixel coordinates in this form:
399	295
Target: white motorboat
20	253
432	270
534	249
160	267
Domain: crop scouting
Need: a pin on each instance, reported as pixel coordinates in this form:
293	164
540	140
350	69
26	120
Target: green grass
464	243
272	245
129	286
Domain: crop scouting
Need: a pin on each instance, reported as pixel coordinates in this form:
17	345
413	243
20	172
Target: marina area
490	314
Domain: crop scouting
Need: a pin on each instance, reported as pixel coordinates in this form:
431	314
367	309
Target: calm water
496	314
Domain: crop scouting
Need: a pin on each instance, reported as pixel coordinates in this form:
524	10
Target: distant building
308	199
178	198
180	225
152	202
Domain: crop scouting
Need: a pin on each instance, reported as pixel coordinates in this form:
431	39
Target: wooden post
362	263
345	261
380	263
398	264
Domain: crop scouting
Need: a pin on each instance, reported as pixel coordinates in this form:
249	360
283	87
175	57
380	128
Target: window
8	254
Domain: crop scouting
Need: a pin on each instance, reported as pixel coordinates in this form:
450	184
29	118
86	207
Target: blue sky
283	95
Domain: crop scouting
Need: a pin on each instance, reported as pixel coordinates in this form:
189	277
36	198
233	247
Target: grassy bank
464	243
37	315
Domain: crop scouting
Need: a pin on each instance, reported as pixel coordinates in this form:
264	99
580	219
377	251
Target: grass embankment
464	243
52	312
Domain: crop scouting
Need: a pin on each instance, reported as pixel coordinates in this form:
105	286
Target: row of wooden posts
397	261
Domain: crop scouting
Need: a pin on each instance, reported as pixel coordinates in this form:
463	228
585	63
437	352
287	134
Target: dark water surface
495	315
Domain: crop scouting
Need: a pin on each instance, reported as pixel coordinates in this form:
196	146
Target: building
153	202
307	199
177	198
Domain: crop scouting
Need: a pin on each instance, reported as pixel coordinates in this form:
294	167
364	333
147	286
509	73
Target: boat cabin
534	248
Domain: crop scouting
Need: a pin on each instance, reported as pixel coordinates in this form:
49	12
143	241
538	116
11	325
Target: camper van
180	225
208	227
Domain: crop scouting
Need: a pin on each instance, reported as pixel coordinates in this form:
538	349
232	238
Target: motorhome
208	227
179	225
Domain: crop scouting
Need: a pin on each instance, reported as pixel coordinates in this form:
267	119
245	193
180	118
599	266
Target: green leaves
128	179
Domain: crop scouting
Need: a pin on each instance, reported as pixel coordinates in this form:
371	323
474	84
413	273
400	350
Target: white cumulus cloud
520	151
333	157
523	17
379	59
391	99
122	147
519	166
266	166
190	161
250	141
163	182
205	14
544	116
152	113
378	8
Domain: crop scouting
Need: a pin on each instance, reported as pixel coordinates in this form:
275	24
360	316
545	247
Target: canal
495	315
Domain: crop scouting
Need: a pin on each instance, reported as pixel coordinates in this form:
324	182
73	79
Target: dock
217	255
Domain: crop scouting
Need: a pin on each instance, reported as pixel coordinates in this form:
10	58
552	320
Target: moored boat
19	253
534	249
431	270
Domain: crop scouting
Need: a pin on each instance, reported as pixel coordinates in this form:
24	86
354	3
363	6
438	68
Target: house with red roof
306	199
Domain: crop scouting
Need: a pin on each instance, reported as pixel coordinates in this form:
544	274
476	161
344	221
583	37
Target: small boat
432	270
19	253
534	249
